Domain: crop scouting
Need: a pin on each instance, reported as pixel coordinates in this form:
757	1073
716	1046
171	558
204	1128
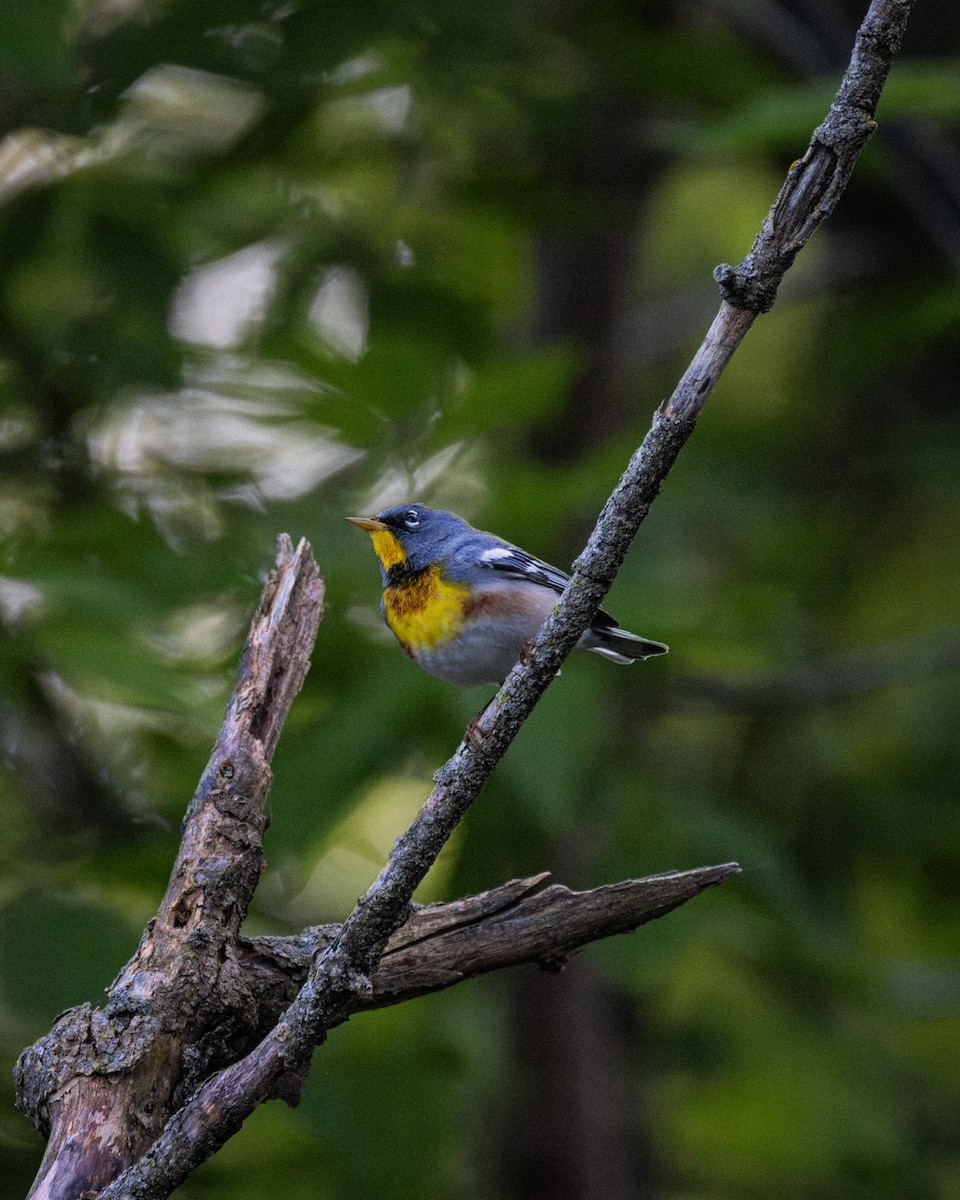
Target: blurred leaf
35	46
786	117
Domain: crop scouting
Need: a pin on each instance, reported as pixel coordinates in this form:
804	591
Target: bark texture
103	1082
200	1006
525	921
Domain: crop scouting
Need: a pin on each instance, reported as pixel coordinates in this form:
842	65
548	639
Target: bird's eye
411	518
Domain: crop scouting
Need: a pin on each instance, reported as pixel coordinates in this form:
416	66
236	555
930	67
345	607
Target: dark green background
516	209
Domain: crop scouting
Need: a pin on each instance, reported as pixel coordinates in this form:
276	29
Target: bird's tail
621	646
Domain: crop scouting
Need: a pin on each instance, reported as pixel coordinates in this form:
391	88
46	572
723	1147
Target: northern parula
463	603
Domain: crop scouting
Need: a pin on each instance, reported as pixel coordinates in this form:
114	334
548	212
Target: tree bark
524	921
103	1082
196	997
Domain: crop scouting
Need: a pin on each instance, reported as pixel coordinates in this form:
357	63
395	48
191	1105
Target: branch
524	921
815	182
436	948
196	996
341	974
130	1064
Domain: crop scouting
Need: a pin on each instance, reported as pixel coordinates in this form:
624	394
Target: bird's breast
425	610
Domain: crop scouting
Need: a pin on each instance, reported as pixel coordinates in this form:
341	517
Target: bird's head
410	537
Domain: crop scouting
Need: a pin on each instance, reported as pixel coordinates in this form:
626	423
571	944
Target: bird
463	603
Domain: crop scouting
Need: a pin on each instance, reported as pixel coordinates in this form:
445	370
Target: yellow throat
425	611
387	548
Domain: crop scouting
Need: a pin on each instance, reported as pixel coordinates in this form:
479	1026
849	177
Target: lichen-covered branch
436	948
816	181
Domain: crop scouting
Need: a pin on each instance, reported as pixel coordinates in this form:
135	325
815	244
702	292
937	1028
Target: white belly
488	646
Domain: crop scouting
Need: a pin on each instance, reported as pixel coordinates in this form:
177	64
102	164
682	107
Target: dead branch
103	1082
524	921
197	997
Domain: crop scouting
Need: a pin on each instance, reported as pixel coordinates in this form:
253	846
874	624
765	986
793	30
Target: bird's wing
515	563
518	564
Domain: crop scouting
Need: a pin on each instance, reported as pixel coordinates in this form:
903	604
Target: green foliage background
474	251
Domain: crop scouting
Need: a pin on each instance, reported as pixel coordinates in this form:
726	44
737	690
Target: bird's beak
370	524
